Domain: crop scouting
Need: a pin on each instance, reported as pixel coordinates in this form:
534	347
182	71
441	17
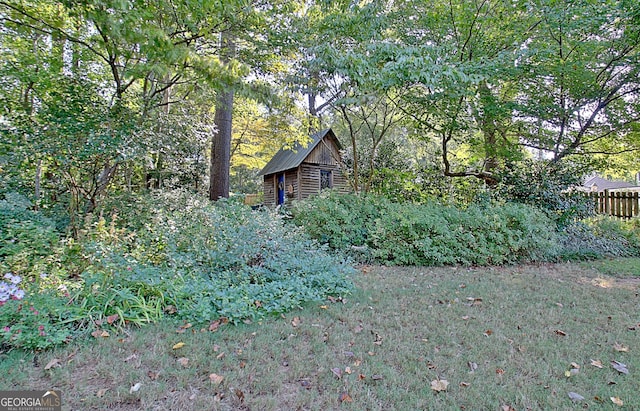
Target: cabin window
325	179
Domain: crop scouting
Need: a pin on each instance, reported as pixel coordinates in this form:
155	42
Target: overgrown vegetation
373	228
150	256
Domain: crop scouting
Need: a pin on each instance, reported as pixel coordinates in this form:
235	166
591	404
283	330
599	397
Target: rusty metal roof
288	158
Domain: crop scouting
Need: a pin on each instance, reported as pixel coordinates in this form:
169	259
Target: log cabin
302	171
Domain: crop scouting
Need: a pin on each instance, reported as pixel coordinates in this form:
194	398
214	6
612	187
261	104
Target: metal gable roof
286	159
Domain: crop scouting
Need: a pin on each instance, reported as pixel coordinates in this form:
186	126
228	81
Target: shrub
207	260
26	236
429	234
601	237
30	320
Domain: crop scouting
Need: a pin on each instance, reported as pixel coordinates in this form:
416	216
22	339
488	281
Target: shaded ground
518	336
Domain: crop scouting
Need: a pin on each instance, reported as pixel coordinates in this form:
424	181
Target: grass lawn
504	338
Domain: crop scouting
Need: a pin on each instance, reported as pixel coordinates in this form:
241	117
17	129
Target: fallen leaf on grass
617	401
596	363
135	388
131	357
488	333
560	333
179	345
620	347
216	379
337	372
153	375
377	377
620	367
240	395
56	362
296	321
575	397
101	392
507	408
499	371
344	397
439	385
184	361
472	366
184	328
112	318
348	370
464	384
100	334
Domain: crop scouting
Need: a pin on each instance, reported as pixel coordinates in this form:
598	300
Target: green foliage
208	261
428	234
26	236
30	319
601	237
547	185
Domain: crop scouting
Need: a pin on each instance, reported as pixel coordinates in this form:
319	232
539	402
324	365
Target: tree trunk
221	141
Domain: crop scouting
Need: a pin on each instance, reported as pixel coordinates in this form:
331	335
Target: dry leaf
596	363
575	365
324	307
296	321
575	397
361	377
488	333
620	347
357	362
464	384
153	375
220	356
617	401
216	379
507	408
439	385
214	325
345	397
112	318
499	371
472	366
100	334
337	372
376	377
56	362
466	317
131	357
101	392
620	367
358	329
240	395
170	309
179	345
135	388
184	361
348	370
560	333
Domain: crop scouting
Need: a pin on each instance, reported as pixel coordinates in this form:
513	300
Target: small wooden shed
299	172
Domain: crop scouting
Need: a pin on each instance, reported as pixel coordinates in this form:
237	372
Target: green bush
208	261
26	236
601	237
428	234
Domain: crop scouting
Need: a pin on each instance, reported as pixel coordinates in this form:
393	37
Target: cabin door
280	189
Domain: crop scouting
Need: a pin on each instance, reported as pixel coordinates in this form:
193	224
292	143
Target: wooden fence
623	204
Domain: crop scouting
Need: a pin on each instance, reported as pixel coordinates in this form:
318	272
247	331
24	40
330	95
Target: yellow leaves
177	346
439	385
